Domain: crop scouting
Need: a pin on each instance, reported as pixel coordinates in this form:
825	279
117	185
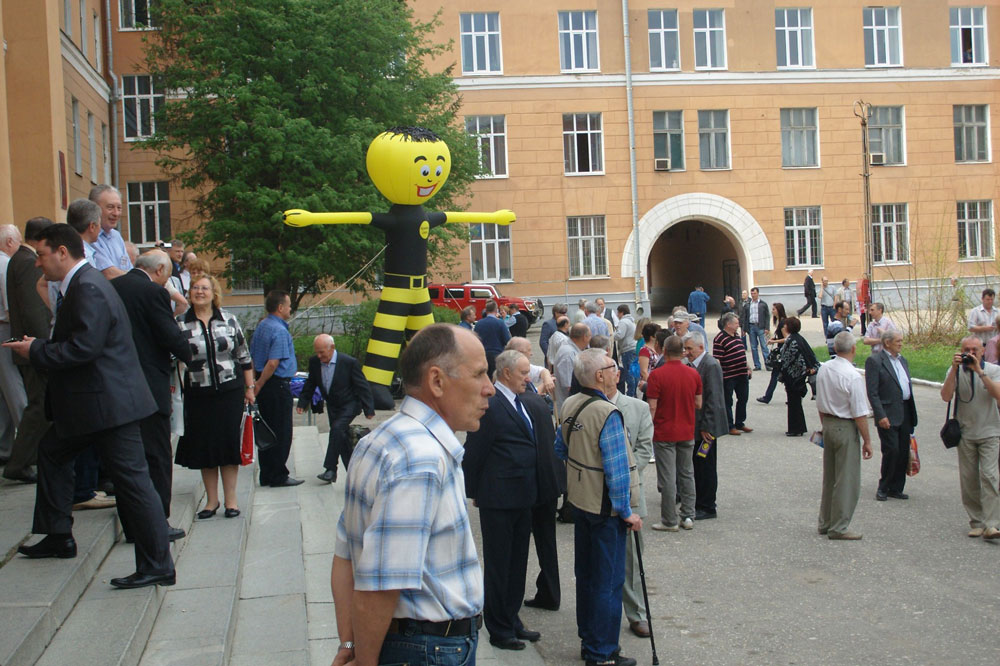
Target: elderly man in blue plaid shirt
603	485
406	578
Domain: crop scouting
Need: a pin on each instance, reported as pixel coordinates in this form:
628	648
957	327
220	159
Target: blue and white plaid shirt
405	525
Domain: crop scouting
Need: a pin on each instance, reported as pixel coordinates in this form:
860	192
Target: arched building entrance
697	238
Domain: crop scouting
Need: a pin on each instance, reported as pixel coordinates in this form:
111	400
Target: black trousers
706	477
338	445
543	530
810	302
275	404
121	452
895	454
33	422
741	387
506	535
796	417
155	431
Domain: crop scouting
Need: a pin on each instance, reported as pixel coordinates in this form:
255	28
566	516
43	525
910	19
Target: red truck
459	296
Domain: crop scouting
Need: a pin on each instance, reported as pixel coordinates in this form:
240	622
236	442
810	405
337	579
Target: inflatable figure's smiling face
408	166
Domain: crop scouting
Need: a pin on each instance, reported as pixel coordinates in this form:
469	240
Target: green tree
271	105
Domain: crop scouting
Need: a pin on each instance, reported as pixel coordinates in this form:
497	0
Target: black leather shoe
207	513
4	460
704	515
289	481
616	660
764	400
881	496
507	644
328	475
899	495
24	476
175	533
544	605
143	580
62	546
527	635
232	513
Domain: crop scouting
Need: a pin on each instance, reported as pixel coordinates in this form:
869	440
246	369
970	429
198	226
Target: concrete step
110	626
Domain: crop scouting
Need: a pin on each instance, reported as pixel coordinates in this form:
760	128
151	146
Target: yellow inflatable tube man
408	165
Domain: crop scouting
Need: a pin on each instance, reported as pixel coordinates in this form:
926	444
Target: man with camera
977	384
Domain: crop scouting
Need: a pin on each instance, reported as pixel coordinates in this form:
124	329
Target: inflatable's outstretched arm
503	217
303	218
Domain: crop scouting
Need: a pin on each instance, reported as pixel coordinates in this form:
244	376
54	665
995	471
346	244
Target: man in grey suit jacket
710	424
890	393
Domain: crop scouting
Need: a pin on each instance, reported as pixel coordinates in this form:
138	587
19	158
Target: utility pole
862	110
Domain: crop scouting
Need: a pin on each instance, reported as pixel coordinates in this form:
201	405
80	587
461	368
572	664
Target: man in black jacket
156	336
95	394
809	289
346	394
509	467
890	393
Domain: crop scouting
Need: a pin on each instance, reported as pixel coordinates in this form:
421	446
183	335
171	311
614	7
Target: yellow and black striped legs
401	311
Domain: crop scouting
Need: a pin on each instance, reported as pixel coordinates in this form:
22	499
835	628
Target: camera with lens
968	360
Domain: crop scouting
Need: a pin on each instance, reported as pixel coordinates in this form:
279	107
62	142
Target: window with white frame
668	137
98	57
68	17
491	137
890	234
968	35
480	35
883	46
583	151
713	139
135	15
148	211
578	41
664	40
803	237
140	101
92	143
971	132
799	138
793	37
885	133
709	39
77	157
489	249
83	28
588	251
106	152
975	230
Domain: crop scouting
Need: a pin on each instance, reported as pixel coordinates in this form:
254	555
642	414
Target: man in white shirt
110	257
579	339
978	387
877	326
982	319
842	400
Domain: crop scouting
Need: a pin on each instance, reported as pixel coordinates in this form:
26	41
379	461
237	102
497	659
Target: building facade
747	143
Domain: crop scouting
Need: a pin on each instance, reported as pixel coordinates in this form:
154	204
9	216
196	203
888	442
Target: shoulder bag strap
572	420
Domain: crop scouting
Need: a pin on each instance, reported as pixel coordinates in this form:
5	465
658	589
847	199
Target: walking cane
645	597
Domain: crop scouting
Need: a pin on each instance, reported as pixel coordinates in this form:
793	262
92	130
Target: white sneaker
660	527
687	524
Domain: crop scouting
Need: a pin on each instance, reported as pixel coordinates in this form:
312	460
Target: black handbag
951	433
263	436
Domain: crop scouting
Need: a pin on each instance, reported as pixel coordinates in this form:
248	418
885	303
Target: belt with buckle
404	281
402	625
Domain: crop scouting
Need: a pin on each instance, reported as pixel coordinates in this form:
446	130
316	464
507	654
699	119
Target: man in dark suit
509	467
156	336
493	333
890	393
346	394
95	395
29	316
710	423
809	289
520	327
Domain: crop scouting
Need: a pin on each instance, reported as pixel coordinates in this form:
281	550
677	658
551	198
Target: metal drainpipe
637	266
114	97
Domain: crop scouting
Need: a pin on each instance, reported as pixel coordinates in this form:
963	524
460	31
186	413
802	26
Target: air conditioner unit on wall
877	159
661	164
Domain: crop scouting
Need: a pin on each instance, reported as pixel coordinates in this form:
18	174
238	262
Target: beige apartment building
747	143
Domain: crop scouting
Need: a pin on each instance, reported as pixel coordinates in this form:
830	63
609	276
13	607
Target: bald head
519	344
323	347
10	239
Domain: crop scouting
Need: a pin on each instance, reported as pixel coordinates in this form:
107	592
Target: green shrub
443	315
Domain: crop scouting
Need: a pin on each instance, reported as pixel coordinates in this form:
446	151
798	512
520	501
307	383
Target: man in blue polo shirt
274	366
110	256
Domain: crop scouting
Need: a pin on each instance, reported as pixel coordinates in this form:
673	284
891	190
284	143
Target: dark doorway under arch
687	254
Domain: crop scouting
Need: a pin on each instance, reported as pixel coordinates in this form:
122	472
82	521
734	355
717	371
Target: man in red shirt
674	393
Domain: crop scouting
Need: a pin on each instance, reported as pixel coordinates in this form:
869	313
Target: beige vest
585	484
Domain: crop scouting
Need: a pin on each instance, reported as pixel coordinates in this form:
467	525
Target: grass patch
929	362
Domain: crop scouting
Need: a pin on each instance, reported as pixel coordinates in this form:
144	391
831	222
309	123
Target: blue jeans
757	339
427	650
826	312
630	386
599	547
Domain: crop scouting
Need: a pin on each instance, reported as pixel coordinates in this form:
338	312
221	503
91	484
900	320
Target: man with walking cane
603	485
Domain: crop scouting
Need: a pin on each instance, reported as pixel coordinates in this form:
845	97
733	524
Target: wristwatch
346	645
